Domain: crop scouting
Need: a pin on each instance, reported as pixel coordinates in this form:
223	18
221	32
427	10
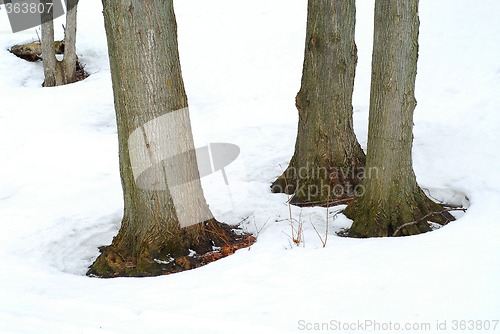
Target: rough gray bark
165	210
70	58
51	70
392	196
57	72
328	160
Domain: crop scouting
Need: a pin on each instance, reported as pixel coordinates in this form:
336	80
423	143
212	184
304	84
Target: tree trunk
328	160
70	58
59	72
165	214
392	196
51	69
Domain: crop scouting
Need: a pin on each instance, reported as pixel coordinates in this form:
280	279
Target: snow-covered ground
60	192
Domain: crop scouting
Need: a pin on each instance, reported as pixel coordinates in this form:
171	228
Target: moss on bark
391	195
382	218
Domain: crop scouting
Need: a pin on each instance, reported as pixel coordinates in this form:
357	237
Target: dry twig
426	216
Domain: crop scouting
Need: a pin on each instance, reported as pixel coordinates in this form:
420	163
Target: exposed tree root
218	240
32	52
330	185
404	217
443	213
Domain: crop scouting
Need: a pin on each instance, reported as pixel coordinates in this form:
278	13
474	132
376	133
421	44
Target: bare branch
426	216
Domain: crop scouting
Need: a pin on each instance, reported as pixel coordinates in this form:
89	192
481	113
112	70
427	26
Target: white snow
61	198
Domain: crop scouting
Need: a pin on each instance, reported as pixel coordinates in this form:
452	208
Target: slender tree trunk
70	58
392	196
51	70
59	72
165	214
328	160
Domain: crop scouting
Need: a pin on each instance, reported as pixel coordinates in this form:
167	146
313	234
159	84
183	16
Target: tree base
32	52
334	186
218	240
409	216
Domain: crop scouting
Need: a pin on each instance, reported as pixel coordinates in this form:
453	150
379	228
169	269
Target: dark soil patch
217	241
81	74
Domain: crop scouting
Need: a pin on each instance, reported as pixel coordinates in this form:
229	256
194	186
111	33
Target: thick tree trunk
165	214
392	196
328	160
